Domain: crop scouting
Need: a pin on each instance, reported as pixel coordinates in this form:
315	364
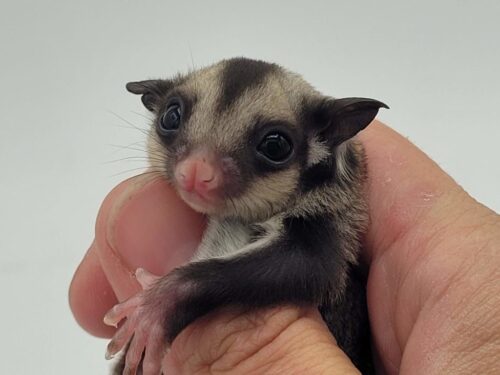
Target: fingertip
141	223
144	224
90	295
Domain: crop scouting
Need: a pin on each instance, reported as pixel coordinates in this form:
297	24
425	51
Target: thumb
433	291
282	340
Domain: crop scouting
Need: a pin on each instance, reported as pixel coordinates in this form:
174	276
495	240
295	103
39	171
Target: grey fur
324	181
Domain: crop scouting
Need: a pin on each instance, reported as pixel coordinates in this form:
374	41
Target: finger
159	227
120	311
423	239
404	184
90	295
121	337
285	340
134	353
155	351
148	226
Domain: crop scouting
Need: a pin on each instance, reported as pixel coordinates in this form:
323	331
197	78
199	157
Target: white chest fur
229	238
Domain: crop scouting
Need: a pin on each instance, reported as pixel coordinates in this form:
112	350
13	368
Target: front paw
144	329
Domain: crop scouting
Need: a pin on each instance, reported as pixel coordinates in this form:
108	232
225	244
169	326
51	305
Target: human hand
433	289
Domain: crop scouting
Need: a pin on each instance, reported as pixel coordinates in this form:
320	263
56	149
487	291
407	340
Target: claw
109	356
121	337
134	353
143	330
120	311
155	351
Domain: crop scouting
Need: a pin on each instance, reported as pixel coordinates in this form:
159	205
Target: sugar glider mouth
203	203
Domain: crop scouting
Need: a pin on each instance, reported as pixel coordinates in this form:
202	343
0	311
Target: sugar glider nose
197	174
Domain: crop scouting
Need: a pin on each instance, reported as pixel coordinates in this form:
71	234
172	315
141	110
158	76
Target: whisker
127	148
134	158
141	114
133	126
137	143
143	131
136	169
129	126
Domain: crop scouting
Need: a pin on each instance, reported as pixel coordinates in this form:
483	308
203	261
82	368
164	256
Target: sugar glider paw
143	329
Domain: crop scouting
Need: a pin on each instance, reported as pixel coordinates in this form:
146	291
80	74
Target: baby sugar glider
272	164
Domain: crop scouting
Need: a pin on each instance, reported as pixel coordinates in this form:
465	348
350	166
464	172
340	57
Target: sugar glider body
271	162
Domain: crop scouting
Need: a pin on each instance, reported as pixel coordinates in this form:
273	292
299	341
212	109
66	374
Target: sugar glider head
237	138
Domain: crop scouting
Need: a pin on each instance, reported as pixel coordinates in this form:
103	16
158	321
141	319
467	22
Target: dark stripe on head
318	175
327	172
239	75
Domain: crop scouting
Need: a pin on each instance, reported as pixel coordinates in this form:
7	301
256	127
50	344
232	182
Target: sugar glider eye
276	147
171	119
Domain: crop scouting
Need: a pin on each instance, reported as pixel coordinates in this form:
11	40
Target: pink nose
197	174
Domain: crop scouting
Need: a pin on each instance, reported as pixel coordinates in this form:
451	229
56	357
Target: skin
433	288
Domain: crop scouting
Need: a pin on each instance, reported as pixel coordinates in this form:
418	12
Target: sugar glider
272	164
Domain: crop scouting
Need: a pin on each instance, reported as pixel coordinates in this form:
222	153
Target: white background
63	66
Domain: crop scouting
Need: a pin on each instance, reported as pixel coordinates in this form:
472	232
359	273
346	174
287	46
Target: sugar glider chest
273	165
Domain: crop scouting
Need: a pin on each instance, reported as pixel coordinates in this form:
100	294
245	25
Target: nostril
208	179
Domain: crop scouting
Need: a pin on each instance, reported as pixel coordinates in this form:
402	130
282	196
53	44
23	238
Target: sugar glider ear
151	90
341	119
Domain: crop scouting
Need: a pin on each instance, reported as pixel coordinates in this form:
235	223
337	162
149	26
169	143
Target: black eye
276	147
171	119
